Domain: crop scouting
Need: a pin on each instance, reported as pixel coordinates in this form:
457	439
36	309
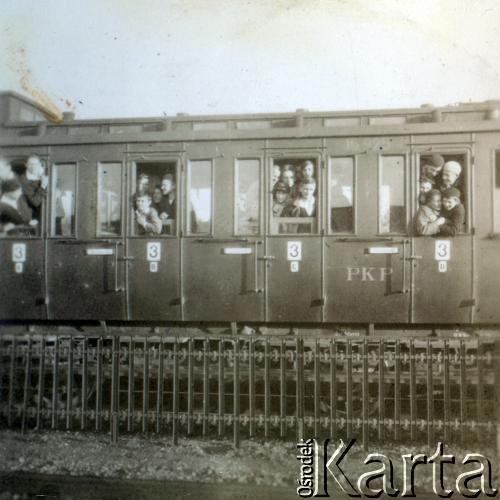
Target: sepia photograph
249	249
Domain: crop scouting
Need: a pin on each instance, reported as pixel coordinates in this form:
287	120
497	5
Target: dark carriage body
225	257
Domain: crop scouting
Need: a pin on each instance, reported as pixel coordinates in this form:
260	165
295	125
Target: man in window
304	205
34	183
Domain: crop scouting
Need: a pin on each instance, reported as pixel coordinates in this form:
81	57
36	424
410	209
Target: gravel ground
270	463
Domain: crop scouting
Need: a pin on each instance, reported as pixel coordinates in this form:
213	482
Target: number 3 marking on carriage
294	250
443	250
153	251
19	252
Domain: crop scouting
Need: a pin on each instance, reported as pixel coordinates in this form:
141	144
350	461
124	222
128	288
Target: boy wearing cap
432	166
453	212
281	198
450	175
428	221
147	217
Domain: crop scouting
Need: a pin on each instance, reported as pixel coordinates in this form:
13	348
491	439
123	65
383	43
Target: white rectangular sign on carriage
99	251
294	250
153	251
443	249
19	252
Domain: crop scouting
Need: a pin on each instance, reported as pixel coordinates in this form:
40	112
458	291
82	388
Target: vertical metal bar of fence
463	388
69	385
480	385
430	396
381	391
221	395
12	379
130	385
115	382
41	385
236	394
27	383
99	383
413	391
159	388
206	385
317	388
55	385
85	384
145	386
190	395
446	391
251	387
267	389
299	387
349	389
397	390
333	387
365	391
282	389
175	395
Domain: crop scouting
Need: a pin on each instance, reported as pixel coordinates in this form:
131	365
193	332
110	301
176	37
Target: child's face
280	196
449	203
5	170
308	171
449	177
143	184
276	174
435	202
425	186
307	191
157	195
288	177
143	204
166	186
35	167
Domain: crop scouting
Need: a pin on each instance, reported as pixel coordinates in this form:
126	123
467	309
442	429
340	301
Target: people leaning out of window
159	204
21	196
292	199
443	214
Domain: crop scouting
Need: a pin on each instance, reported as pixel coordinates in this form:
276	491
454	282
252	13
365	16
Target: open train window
442	195
247	197
294	192
63	204
109	199
391	195
23	191
155	198
341	192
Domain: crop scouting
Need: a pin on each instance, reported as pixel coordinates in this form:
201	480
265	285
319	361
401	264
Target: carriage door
222	273
85	243
153	251
22	249
366	275
442	256
293	246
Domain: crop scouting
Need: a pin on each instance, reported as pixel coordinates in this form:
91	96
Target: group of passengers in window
294	190
441	211
21	196
155	207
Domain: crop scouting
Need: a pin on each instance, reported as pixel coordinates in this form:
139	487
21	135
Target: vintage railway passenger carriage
224	254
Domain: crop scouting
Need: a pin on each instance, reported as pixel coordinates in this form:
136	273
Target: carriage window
199	216
496	227
294	196
442	197
247	182
342	195
109	200
392	209
155	198
63	199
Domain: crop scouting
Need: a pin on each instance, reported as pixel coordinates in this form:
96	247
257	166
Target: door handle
414	257
256	267
267	257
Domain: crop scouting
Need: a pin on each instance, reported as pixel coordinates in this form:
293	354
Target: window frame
354	195
236	192
99	164
188	233
52	207
380	157
450	151
294	156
